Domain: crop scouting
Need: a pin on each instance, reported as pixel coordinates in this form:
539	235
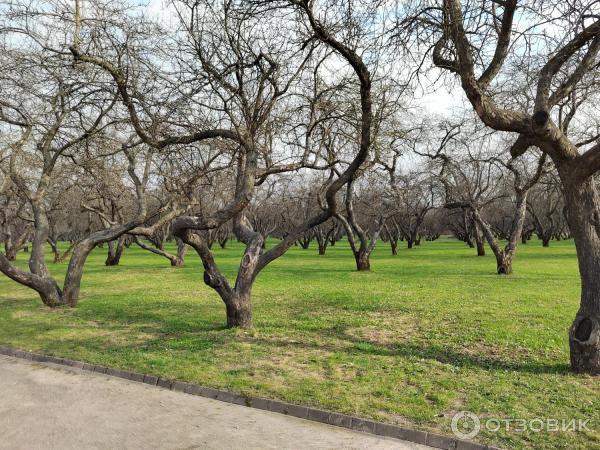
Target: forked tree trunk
60	257
115	251
52	296
504	263
238	306
322	248
55	251
322	241
504	255
583	216
362	261
304	243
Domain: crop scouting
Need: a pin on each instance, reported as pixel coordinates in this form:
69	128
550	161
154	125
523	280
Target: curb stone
276	406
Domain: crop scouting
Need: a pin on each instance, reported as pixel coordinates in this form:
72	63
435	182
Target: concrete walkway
54	407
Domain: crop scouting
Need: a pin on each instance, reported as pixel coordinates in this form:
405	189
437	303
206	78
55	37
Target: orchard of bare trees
297	124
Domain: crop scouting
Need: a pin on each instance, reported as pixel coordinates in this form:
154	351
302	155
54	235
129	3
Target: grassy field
427	333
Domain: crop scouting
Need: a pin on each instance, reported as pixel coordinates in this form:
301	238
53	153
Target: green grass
425	334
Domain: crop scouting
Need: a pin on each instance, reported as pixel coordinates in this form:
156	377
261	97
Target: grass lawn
427	333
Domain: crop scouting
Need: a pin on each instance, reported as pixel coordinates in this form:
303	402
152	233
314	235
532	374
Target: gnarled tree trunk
583	216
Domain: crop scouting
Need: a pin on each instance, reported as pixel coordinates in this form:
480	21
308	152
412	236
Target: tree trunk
504	263
52	297
480	248
239	310
179	259
409	241
75	272
115	251
362	261
305	243
46	287
466	221
545	241
479	240
394	246
322	248
583	208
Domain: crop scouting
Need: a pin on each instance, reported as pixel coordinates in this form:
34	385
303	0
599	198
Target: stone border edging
276	406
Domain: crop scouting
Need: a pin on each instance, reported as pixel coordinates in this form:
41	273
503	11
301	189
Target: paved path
54	407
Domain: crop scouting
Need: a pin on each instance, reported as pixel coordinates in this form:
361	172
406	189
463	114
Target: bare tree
362	240
545	209
248	91
461	36
54	116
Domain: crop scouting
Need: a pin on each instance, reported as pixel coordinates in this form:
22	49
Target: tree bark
479	240
504	263
239	310
583	216
322	248
362	261
74	274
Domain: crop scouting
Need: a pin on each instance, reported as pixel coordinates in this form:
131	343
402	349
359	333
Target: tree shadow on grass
169	324
421	350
